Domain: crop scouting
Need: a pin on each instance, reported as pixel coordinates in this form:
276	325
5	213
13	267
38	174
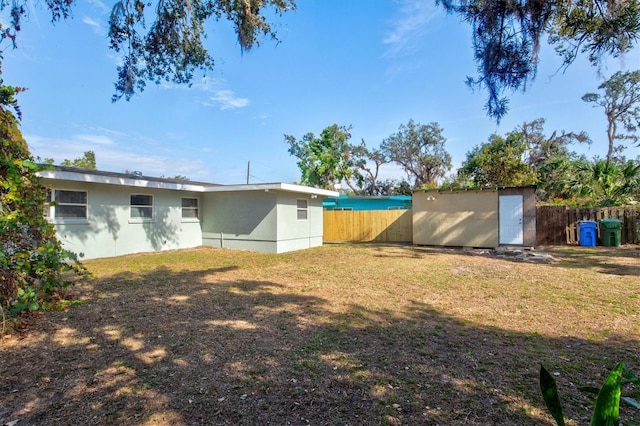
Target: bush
33	264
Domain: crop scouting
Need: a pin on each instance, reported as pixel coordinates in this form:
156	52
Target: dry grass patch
343	334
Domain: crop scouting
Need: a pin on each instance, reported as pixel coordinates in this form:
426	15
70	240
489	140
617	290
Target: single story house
103	214
484	218
358	202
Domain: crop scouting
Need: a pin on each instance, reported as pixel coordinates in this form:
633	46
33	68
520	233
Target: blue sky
338	61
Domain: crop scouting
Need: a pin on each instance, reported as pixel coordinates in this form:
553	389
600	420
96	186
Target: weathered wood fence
559	224
368	225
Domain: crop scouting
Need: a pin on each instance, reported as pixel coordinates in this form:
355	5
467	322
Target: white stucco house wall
104	214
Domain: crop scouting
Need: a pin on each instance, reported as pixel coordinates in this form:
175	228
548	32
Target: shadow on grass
623	260
204	347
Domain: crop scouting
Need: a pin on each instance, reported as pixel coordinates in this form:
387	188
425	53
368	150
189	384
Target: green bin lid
611	223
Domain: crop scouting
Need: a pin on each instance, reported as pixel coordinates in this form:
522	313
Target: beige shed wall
457	218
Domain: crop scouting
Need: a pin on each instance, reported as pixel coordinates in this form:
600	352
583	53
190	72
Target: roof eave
141	182
119	180
287	187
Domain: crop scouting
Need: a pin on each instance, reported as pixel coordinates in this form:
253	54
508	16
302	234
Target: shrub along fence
368	225
559	224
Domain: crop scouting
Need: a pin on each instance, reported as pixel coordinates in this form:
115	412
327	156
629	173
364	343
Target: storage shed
485	218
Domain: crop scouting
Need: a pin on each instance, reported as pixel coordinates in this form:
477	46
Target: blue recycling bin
587	231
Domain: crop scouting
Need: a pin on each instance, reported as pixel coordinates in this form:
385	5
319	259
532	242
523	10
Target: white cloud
410	27
118	156
152	165
226	99
100	5
219	95
95	25
94	139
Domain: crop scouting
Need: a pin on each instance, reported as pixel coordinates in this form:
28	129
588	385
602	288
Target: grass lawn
342	334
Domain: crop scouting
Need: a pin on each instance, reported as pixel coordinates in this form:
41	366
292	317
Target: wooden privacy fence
368	225
555	225
559	224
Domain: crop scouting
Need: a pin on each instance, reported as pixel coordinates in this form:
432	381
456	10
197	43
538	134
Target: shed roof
491	188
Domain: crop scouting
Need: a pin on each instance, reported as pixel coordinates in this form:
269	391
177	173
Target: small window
141	207
67	204
48	208
345	209
303	209
189	208
396	208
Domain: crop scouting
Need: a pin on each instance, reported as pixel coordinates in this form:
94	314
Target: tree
163	40
366	165
605	183
420	150
87	161
499	162
549	156
331	160
324	161
32	261
507	33
621	102
541	149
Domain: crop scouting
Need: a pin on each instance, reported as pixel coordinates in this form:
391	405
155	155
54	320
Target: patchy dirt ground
343	334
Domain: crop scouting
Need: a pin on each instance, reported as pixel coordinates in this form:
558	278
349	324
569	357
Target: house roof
139	181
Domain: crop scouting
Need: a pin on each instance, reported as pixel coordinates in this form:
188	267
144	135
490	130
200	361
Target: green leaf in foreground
550	395
606	411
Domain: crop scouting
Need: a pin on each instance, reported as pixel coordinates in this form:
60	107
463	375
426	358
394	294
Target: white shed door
510	212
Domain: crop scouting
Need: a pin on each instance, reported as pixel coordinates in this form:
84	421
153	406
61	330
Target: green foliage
32	262
542	149
597	182
420	150
171	47
26	300
87	161
606	411
323	161
499	162
163	40
507	34
549	156
621	103
550	395
331	160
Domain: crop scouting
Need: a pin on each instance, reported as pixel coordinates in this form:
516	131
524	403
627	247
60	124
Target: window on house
65	204
395	208
303	209
189	208
141	207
